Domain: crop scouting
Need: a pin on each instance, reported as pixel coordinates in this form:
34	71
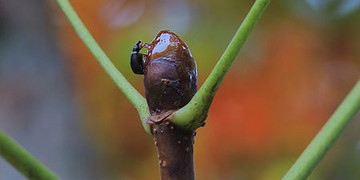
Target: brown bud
170	73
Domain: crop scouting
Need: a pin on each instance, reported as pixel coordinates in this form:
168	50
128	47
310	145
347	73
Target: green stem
194	113
137	100
326	138
22	160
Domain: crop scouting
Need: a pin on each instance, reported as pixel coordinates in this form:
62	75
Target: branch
22	160
194	113
136	99
326	138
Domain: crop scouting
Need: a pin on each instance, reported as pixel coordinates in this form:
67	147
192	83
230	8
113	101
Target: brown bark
170	80
175	151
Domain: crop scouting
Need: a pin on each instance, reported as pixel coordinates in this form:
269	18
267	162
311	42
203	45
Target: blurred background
295	69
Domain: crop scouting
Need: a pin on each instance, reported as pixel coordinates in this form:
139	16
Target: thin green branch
194	113
136	99
326	138
22	160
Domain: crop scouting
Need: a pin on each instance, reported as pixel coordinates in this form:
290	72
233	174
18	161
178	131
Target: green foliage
327	136
136	99
194	113
22	160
